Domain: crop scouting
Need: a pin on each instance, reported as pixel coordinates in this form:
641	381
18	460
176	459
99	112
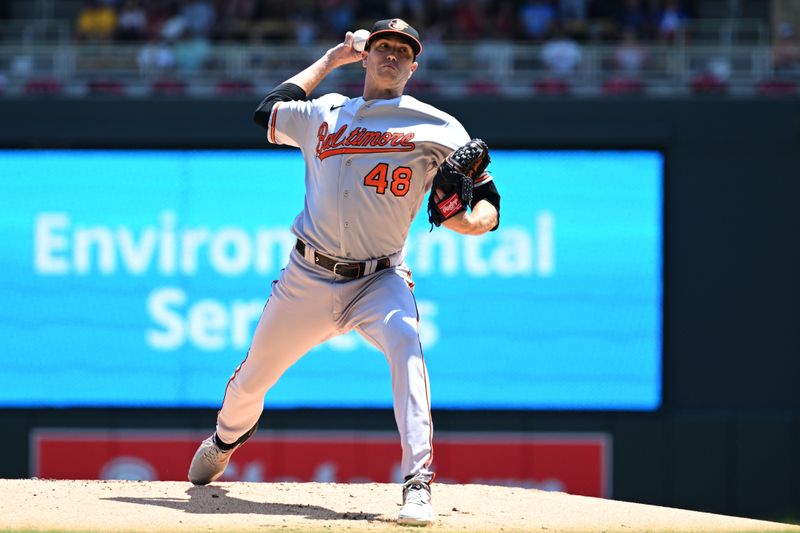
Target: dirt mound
170	506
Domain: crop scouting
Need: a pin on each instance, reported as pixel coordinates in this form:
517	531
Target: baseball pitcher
370	163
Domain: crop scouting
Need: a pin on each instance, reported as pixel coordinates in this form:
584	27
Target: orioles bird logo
398	24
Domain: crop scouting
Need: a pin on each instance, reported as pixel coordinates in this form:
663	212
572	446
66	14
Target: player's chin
391	74
389	69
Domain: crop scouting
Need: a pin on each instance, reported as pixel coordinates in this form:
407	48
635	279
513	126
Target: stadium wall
726	437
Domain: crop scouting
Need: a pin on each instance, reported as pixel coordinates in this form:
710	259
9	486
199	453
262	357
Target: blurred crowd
308	21
179	36
180	33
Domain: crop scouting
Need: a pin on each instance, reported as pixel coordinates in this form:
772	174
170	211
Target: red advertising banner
577	463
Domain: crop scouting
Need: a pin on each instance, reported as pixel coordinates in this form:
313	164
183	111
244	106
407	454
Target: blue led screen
135	278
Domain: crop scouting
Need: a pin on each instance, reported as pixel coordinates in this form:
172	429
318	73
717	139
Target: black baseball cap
398	27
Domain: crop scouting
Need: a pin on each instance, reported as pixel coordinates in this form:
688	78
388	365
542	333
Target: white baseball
360	39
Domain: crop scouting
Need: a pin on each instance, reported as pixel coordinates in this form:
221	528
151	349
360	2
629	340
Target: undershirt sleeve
285	92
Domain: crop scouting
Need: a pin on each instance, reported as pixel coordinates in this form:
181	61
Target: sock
221	445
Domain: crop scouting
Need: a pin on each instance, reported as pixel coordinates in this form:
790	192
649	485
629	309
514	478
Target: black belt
348	270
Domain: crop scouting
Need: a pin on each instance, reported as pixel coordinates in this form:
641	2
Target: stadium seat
552	87
707	83
625	86
777	88
106	87
481	87
43	86
169	87
235	88
420	87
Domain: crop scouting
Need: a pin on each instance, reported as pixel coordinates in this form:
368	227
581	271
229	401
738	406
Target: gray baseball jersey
369	166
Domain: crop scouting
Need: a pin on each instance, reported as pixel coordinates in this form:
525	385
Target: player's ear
364	56
414	67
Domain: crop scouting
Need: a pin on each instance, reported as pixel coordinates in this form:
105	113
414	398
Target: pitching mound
35	504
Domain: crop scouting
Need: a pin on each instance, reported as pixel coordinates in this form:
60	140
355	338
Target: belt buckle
357	266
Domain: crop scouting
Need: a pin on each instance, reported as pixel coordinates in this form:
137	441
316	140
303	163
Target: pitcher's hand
344	53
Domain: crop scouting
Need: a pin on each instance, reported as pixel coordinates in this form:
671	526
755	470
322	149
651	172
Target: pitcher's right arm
299	86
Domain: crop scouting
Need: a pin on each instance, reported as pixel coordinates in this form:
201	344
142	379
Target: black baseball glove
454	180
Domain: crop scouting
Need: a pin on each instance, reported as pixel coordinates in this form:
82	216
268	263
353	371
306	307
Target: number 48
377	177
